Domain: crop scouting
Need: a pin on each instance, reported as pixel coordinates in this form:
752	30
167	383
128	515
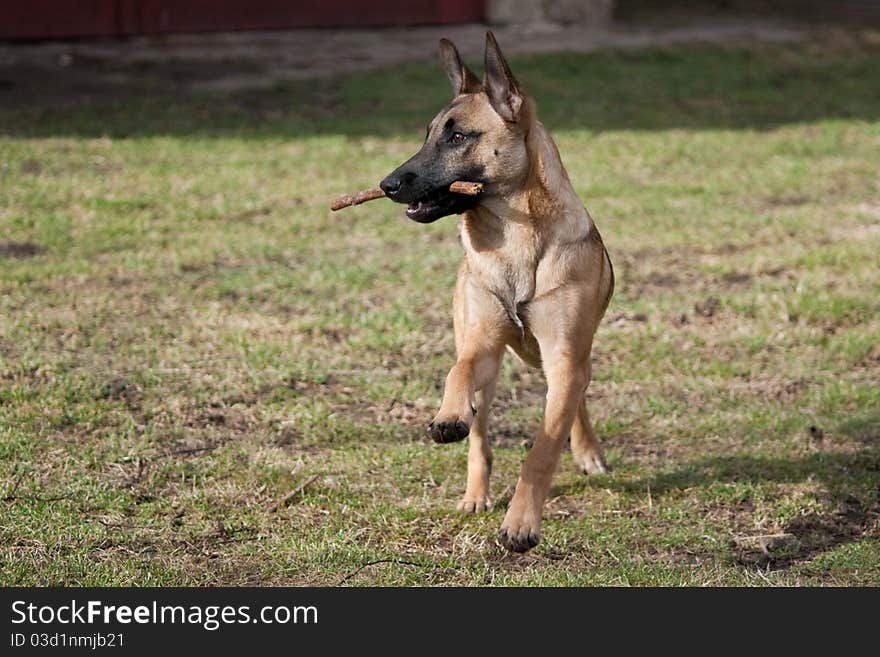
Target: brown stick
469	188
286	499
458	187
356	199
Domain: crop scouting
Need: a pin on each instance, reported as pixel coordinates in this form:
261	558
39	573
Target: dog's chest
506	265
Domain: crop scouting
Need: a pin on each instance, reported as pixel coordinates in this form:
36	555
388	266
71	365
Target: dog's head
478	137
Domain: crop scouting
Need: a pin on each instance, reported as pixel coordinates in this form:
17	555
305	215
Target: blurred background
43	19
208	378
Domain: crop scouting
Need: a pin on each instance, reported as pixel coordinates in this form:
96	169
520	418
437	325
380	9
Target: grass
187	334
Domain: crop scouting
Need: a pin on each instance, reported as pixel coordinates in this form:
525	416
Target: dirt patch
662	280
230	419
121	388
708	307
809	535
31	167
9	249
734	278
651	271
785	201
641	448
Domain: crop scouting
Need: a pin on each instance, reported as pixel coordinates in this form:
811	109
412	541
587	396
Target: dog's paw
520	538
592	463
450	431
474	504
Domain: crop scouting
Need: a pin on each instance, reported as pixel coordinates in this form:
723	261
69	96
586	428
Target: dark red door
38	19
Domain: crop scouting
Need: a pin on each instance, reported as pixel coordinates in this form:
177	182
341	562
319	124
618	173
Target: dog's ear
462	78
501	87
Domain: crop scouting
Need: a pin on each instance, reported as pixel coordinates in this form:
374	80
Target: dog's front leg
480	338
481	333
476	368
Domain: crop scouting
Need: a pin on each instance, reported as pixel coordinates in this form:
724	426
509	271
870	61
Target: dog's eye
457	138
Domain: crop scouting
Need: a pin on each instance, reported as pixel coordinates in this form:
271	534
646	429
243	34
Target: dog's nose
391	185
394	182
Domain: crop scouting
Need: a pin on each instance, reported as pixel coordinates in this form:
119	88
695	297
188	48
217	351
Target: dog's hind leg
585	447
476	495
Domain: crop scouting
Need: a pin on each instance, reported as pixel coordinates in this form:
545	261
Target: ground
207	378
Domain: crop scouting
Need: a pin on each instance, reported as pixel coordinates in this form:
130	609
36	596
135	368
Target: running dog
536	278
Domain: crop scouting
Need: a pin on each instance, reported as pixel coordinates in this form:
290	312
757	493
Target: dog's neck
550	190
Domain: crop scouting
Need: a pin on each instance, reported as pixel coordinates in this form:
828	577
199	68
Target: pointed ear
462	78
501	87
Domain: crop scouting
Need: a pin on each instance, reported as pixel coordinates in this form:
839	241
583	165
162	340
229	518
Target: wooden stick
356	199
299	489
469	188
458	187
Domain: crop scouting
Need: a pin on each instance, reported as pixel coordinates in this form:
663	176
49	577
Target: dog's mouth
438	203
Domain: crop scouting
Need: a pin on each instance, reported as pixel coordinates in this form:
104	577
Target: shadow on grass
850	496
690	88
864	427
835	471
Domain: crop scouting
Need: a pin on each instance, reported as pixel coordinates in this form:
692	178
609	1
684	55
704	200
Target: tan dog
536	278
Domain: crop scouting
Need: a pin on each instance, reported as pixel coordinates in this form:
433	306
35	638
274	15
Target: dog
536	278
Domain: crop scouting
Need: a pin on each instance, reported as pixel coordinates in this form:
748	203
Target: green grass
197	335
